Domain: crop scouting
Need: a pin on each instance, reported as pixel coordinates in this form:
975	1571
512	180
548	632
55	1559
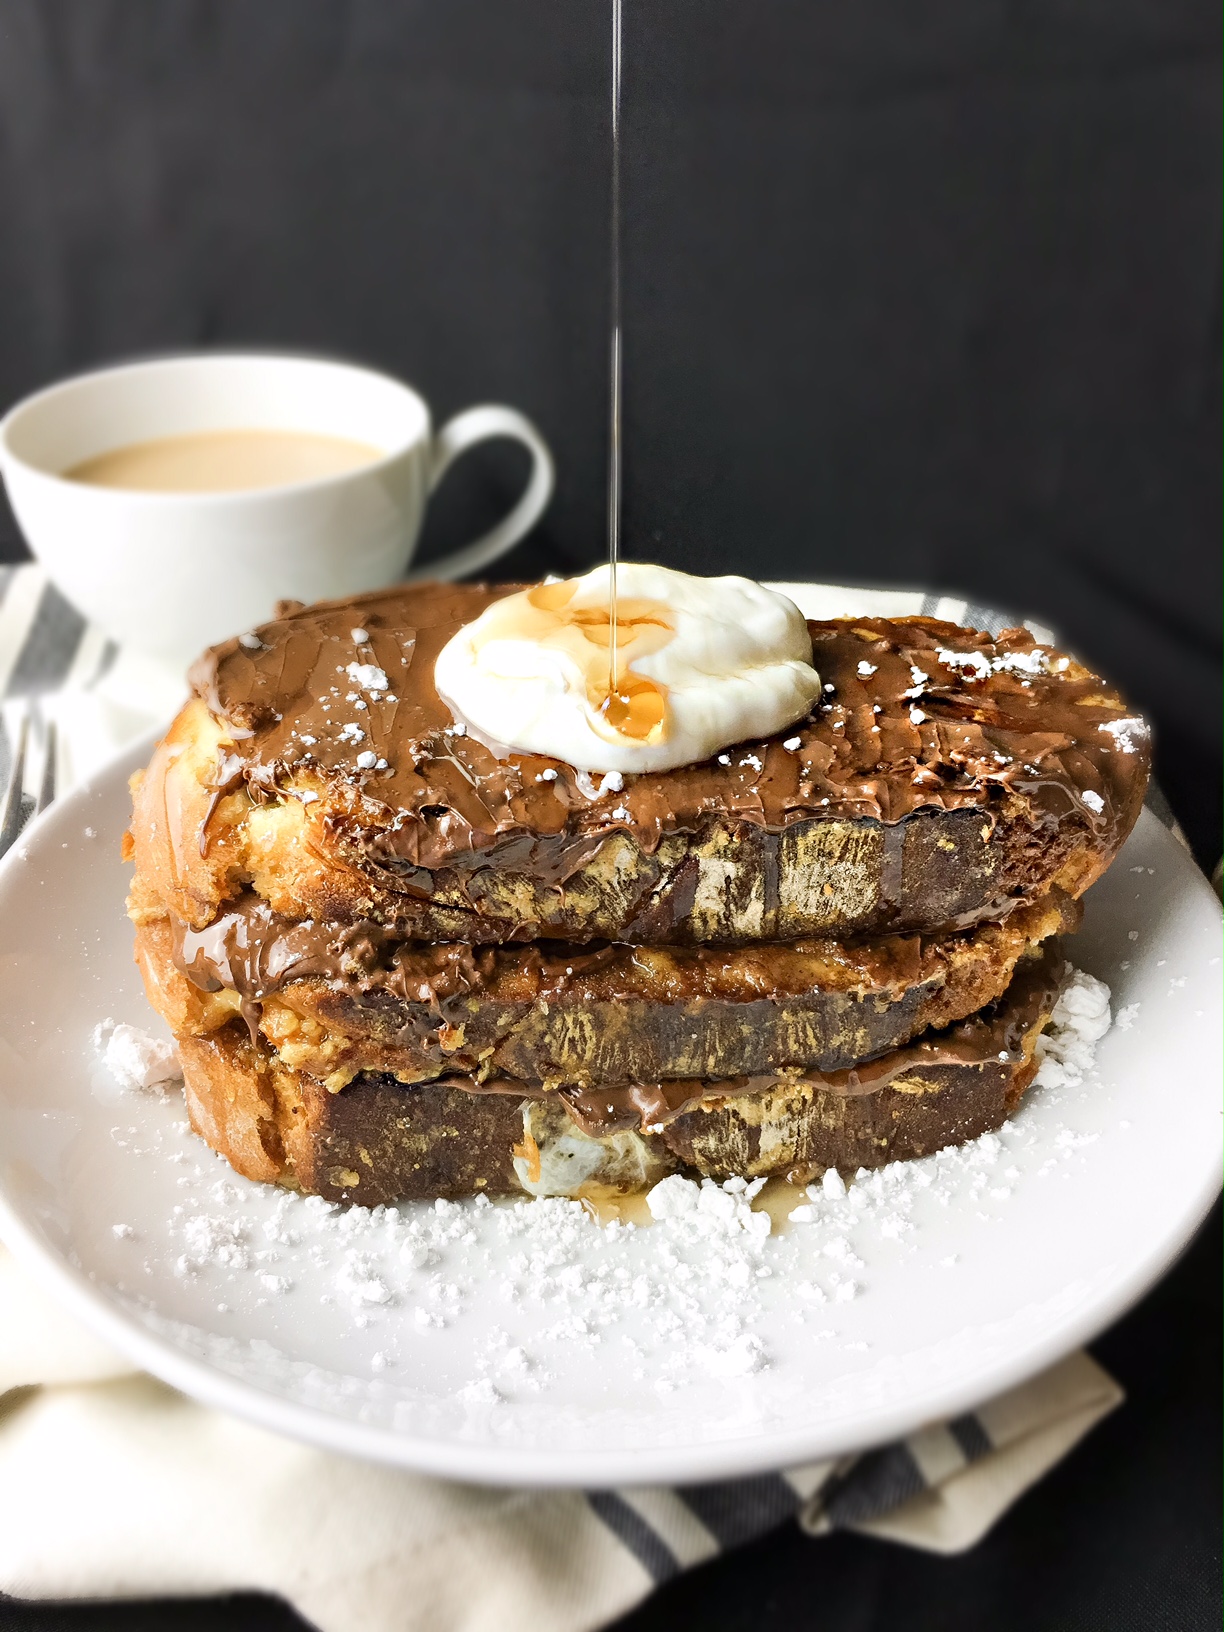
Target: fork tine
10	816
46	791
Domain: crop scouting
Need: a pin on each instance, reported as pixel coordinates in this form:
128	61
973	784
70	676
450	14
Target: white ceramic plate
452	1344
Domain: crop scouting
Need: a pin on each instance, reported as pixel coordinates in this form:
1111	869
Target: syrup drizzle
635	705
614	704
632	705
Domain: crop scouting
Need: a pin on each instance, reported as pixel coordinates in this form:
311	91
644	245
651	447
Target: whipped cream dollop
701	663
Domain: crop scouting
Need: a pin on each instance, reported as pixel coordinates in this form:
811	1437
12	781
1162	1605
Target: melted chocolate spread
916	714
998	1033
255	952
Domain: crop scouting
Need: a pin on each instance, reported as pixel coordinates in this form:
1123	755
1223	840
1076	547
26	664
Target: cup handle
456	436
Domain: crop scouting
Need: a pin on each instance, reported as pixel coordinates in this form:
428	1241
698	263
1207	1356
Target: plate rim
490	1463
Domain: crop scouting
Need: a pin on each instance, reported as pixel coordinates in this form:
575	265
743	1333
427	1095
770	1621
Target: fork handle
46	791
10	817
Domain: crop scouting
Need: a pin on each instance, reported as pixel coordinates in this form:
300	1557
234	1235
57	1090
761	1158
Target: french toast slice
380	1141
335	1003
945	776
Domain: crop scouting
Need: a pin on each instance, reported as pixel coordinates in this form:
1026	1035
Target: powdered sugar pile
418	1267
1067	1047
135	1059
698	1297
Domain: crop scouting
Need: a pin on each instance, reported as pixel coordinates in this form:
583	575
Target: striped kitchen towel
112	1485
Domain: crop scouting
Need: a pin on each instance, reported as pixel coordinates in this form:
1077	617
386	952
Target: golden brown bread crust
371	1144
636	1015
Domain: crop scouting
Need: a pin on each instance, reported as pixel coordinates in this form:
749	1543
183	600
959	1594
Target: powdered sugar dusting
134	1058
977	665
368	676
1067	1047
1128	733
528	1292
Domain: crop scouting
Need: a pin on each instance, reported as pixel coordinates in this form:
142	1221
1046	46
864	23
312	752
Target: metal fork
16	806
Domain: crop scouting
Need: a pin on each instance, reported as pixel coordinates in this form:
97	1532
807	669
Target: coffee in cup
171	563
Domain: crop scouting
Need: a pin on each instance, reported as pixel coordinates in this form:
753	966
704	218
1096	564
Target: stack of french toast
401	962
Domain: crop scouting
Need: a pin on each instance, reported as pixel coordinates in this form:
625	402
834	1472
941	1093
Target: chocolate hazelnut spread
916	715
255	952
1001	1032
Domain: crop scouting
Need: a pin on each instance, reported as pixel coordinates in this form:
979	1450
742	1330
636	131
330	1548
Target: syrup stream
614	387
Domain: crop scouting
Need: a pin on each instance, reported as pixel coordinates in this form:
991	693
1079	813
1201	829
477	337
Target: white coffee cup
171	573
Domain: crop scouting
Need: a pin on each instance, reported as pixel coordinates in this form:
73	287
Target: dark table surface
921	295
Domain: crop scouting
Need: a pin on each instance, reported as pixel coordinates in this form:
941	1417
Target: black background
923	294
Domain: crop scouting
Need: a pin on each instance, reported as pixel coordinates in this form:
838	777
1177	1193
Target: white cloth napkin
114	1486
